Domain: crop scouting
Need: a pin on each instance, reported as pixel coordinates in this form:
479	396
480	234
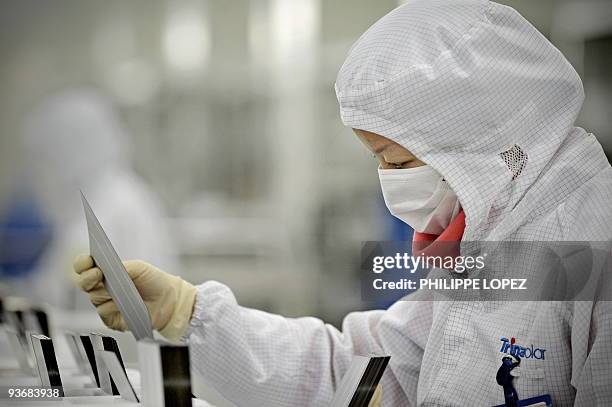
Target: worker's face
389	153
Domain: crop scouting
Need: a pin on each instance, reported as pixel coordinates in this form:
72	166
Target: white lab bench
78	388
75	385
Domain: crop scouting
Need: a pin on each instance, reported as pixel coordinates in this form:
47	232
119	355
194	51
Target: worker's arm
592	376
256	358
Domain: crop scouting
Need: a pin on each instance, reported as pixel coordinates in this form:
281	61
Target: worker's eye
402	164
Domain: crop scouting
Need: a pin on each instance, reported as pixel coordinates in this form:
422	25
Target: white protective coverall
74	141
474	90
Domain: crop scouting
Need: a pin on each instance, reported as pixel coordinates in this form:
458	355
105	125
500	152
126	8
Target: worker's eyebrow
382	148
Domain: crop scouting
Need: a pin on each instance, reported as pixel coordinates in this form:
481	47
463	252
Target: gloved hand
376	398
169	299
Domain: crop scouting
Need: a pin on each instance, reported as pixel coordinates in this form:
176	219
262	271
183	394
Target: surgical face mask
419	197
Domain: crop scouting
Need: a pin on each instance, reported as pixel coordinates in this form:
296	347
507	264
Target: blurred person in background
74	140
470	112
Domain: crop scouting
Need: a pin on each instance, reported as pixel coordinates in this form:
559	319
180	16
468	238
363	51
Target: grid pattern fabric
458	83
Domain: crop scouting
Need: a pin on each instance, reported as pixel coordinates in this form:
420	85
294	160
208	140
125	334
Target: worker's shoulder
586	214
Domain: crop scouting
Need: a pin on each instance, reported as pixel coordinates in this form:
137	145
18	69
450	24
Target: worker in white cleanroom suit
74	141
478	94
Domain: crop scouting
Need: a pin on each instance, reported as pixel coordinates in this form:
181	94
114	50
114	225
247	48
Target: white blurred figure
74	140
